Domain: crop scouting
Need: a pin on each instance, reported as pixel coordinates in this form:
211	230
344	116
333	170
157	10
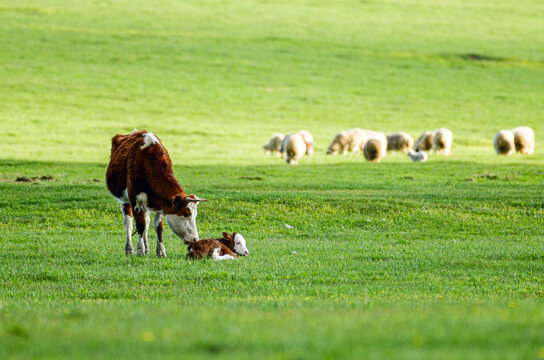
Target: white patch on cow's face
184	227
141	202
240	245
149	139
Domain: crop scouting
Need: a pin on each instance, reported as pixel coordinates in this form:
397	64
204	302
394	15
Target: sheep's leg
159	226
354	148
128	223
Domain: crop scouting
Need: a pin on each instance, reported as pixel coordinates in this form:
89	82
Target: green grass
389	260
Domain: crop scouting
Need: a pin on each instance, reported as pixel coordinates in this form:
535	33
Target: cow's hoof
129	250
141	249
147	250
161	251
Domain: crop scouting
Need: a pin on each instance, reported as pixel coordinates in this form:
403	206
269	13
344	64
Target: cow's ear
227	236
178	201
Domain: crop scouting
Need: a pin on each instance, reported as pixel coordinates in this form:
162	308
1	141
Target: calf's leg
223	253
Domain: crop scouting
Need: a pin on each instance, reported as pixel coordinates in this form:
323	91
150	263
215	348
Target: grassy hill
393	260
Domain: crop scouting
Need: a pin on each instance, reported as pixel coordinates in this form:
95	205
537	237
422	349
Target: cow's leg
127	222
139	217
147	221
159	226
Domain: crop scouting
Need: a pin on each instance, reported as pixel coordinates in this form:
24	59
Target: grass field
443	259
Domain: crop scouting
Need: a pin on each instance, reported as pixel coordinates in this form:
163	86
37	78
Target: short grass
393	260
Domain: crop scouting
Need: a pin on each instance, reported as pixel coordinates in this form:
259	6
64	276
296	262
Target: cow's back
122	147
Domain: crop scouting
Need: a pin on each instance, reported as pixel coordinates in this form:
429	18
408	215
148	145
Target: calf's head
183	220
237	243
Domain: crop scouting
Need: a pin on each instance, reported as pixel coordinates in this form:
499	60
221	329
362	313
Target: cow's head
183	220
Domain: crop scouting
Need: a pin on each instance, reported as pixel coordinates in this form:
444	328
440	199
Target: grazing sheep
400	141
376	147
520	139
367	135
442	141
425	141
349	140
504	142
274	144
226	248
294	147
309	140
340	144
524	139
419	156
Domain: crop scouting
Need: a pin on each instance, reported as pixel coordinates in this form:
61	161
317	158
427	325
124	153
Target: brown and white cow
141	178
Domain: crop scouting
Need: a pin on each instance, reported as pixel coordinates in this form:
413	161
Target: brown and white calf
226	248
141	178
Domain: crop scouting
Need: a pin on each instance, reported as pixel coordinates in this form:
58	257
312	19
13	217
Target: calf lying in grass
226	248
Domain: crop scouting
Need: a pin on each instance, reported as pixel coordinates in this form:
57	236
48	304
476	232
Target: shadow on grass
336	175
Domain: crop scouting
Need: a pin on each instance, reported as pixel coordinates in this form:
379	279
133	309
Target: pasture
443	259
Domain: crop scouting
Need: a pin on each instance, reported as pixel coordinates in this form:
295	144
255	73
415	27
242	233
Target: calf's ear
226	235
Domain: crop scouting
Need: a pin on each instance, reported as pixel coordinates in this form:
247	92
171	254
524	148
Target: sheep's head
334	148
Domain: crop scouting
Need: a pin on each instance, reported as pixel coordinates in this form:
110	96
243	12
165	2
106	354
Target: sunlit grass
442	259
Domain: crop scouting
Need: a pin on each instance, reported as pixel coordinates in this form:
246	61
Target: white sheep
375	148
419	156
340	144
367	135
504	142
349	140
274	144
425	141
442	141
520	139
309	140
294	147
524	139
400	141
